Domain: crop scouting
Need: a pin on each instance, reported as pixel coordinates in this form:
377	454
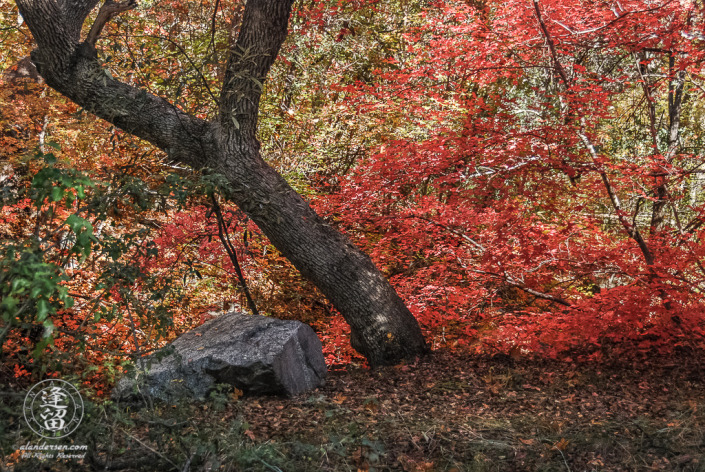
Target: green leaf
57	193
42	309
9	306
77	224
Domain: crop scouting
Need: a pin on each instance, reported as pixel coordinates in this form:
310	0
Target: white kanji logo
53	408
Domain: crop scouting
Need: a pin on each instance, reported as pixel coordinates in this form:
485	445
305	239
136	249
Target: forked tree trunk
383	329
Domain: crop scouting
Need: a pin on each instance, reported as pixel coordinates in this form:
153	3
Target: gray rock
257	354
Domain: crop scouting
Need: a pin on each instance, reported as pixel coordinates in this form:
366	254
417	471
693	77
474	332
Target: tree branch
454	231
224	236
73	69
506	277
109	9
263	30
633	231
521	286
551	45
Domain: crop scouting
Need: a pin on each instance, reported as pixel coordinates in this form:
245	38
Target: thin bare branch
632	230
551	45
521	286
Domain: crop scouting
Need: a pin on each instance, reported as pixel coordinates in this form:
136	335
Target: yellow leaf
562	444
236	394
339	399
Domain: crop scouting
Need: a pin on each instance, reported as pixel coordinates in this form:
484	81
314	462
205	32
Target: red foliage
519	216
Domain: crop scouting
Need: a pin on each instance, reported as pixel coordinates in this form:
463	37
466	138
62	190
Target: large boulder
257	354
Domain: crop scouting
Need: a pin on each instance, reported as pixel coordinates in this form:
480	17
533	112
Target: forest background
528	175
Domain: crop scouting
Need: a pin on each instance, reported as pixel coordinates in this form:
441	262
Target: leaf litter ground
448	412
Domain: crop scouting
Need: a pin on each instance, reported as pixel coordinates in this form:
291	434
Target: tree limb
551	45
75	14
73	69
632	230
109	9
263	30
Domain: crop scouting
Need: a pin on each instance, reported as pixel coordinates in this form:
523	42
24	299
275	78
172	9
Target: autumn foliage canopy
528	174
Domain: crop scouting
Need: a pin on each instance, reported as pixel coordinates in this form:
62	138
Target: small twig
187	465
188	58
152	450
133	329
213	18
563	456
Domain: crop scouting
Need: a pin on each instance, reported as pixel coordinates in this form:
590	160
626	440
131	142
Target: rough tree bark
383	329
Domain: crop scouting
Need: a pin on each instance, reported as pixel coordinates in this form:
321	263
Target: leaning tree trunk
382	328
